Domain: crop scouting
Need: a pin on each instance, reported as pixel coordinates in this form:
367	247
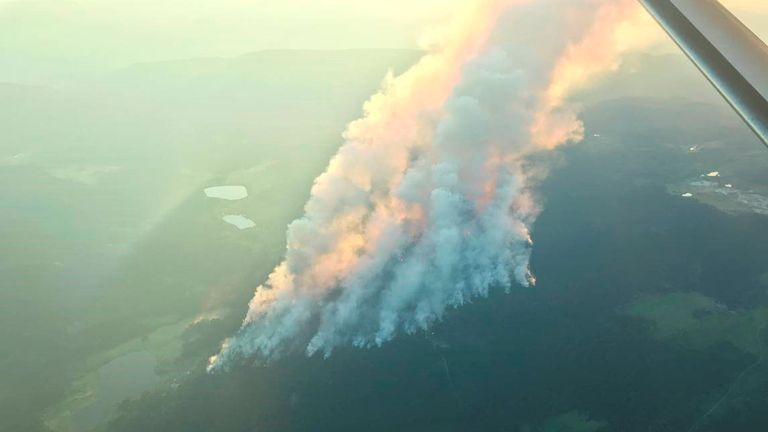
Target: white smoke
428	203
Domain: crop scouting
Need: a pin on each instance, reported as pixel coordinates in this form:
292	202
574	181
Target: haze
153	152
45	39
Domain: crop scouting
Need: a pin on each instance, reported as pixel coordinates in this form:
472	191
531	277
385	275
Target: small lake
229	193
240	221
125	377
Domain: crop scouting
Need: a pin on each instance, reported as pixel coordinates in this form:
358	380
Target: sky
82	35
105	33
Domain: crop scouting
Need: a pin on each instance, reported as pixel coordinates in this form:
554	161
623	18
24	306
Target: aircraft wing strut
732	58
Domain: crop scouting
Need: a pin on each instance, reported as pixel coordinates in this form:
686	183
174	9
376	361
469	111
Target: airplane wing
731	56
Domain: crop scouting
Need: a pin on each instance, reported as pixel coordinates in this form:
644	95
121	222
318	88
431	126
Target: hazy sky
36	35
119	31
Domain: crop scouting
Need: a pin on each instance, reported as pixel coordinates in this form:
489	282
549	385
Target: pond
125	377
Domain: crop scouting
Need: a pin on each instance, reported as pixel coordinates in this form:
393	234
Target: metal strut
731	56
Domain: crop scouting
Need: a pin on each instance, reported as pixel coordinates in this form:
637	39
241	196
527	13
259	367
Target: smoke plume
428	203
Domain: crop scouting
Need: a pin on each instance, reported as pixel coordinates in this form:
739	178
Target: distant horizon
44	39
